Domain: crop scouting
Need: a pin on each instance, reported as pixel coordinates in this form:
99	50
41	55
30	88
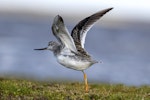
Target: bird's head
52	45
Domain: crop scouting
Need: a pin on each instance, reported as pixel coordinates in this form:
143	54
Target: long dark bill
41	49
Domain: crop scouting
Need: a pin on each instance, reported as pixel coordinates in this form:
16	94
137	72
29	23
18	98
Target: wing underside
61	33
80	30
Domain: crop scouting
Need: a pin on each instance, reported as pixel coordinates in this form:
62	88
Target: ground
16	89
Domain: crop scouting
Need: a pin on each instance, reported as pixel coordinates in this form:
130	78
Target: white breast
72	63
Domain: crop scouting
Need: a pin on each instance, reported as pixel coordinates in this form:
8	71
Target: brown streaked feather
80	30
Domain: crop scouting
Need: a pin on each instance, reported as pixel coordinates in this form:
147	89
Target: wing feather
80	30
61	33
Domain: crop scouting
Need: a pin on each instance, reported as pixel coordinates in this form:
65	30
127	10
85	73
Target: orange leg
86	82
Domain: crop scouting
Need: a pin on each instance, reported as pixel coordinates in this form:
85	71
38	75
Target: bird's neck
56	50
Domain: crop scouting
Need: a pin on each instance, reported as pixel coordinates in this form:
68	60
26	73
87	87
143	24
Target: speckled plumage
70	50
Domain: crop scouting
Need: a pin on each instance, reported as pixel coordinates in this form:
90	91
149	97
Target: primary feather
61	33
80	30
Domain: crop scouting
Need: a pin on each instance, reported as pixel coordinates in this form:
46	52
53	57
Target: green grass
13	89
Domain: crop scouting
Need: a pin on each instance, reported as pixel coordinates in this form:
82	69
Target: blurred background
120	39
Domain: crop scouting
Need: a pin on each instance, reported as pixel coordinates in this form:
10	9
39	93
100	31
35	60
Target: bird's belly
73	63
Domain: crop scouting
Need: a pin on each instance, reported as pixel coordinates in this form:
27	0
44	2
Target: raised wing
80	30
61	33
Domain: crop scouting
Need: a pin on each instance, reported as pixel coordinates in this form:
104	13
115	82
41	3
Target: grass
13	89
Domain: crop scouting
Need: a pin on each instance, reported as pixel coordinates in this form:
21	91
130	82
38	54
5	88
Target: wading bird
69	50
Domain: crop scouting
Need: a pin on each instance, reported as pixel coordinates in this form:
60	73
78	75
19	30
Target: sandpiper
69	50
